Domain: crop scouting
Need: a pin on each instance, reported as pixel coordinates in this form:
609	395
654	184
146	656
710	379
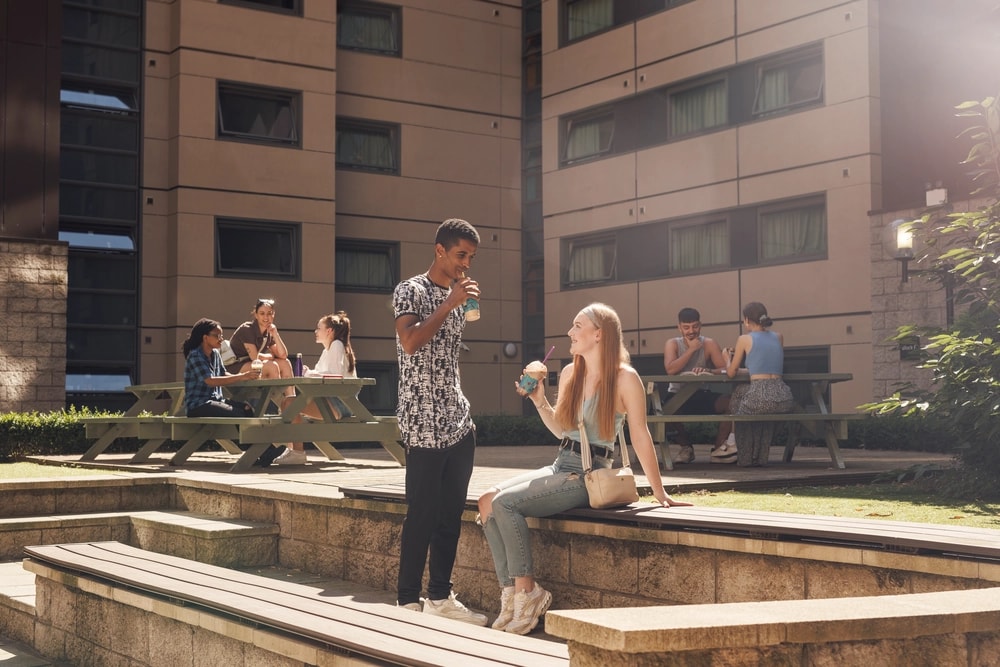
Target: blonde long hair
613	356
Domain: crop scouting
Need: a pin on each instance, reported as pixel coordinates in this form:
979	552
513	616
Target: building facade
166	160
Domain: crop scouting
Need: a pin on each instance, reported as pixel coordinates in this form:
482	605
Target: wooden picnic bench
815	418
253	433
310	622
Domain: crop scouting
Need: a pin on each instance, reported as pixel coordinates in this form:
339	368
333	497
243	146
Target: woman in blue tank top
600	389
766	393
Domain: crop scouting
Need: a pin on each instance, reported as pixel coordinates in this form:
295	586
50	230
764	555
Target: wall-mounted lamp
510	350
902	236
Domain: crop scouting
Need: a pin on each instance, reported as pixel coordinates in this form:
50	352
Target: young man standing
692	352
435	420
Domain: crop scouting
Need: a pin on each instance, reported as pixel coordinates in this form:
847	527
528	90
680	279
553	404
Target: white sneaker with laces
410	606
291	457
528	608
451	608
506	608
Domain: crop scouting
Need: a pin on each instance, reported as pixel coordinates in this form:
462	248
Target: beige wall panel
753	15
421	83
194	237
689	202
685	28
241	166
506	12
259	35
847	57
508	278
254	205
197	111
158	249
482	43
819	135
157	108
158	167
404	231
371	317
602	56
594	219
687	65
715	295
817	178
291	76
455	120
591	94
318	247
706	160
442	155
786	35
161	25
591	184
416	199
559	312
818	288
319	127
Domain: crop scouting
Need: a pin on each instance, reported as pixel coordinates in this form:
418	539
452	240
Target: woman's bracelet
543	405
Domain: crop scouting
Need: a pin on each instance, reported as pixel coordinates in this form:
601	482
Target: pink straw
551	349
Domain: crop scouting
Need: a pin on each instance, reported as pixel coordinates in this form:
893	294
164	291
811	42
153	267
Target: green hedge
23	434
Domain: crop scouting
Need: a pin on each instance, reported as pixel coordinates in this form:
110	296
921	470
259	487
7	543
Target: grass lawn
25	470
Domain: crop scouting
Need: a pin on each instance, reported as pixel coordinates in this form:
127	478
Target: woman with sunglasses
258	338
204	375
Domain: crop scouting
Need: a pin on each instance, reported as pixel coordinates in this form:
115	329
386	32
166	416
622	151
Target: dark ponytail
756	312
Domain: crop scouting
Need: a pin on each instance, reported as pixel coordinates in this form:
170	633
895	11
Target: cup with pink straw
534	373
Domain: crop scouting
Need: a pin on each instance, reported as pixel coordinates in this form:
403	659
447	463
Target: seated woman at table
204	375
766	393
258	338
333	332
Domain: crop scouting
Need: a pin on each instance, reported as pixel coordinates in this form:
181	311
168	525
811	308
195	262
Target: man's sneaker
528	608
410	606
685	455
506	608
451	608
292	457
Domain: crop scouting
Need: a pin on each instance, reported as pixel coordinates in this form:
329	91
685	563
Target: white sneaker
506	608
528	608
291	457
410	606
451	608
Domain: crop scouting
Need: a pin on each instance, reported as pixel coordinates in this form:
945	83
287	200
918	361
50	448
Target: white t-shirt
333	361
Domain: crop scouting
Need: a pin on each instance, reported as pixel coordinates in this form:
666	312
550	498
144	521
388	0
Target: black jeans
437	485
224	408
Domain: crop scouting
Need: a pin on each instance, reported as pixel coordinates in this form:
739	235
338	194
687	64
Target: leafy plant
963	250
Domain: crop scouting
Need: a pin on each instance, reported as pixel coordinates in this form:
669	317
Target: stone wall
33	291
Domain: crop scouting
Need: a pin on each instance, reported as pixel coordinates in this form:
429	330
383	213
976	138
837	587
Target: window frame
693	223
793	205
292	97
296	10
394	13
587	117
390	248
608	241
393	131
809	55
294	230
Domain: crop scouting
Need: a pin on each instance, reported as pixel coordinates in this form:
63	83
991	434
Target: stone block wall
34	283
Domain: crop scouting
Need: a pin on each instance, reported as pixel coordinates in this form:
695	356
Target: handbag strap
585	458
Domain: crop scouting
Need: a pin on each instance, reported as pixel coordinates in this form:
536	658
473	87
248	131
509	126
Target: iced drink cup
533	374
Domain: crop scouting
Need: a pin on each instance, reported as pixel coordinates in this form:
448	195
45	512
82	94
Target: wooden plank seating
304	619
139	421
196	431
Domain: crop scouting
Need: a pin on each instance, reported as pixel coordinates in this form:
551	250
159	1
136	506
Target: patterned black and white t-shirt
433	412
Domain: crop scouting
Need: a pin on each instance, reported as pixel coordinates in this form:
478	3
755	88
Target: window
699	246
367	145
382	397
258	114
584	17
788	82
792	233
700	107
368	266
368	26
591	260
256	248
284	6
589	136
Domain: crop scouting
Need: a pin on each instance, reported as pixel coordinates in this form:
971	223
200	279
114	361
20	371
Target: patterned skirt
753	439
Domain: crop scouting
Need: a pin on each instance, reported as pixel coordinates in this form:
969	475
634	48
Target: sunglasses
264	302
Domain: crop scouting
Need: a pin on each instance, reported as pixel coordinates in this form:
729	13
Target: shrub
512	430
31	433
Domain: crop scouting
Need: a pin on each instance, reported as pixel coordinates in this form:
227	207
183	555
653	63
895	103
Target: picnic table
254	434
814	416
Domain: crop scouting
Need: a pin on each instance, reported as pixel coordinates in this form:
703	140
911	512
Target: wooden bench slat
302	610
783	417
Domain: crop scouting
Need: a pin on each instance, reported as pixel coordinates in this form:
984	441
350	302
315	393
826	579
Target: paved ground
811	465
